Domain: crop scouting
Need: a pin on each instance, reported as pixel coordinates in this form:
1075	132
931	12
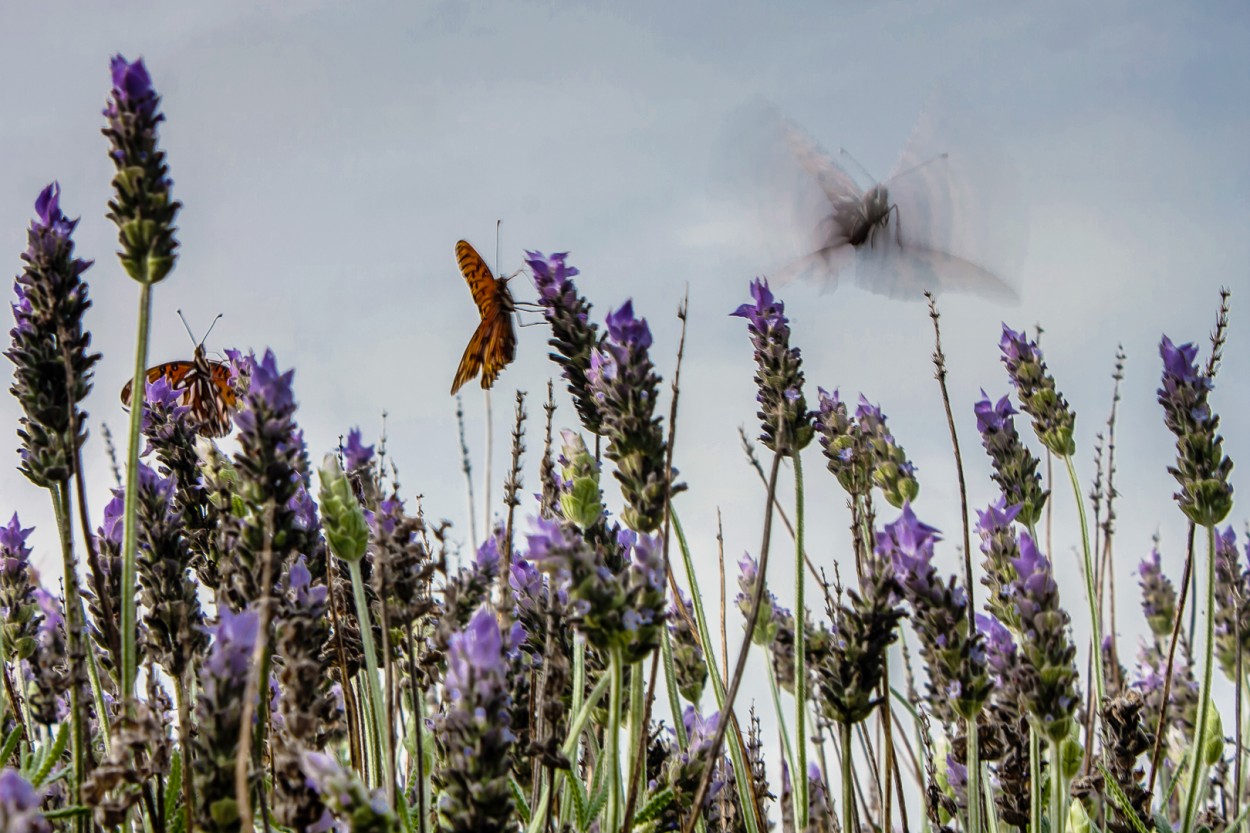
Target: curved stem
612	752
1095	619
73	632
974	778
372	686
848	790
130	533
1058	802
1197	766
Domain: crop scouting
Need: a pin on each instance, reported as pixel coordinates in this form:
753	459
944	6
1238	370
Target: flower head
356	454
1015	467
1053	420
574	338
784	418
20	805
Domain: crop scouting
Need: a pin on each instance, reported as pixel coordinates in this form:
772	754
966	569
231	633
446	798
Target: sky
330	154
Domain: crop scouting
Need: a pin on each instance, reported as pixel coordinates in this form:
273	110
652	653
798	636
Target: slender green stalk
372	685
848	789
1095	620
130	532
800	652
612	750
736	755
582	717
184	739
1058	795
781	720
637	707
1035	779
74	633
670	681
974	778
1198	768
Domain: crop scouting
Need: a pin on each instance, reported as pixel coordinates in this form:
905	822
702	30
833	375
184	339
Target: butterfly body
493	344
206	391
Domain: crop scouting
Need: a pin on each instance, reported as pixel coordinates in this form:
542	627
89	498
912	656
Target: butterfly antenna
498	223
188	327
939	158
846	154
210	327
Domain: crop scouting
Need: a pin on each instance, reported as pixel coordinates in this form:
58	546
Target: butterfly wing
206	391
961	220
493	345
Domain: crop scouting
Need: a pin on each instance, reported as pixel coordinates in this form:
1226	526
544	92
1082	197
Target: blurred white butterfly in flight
948	219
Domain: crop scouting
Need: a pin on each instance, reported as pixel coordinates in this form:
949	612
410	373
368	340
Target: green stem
612	752
371	684
130	534
848	791
974	778
539	812
637	705
1091	594
1058	796
1035	779
73	632
781	720
1197	766
736	755
670	683
800	653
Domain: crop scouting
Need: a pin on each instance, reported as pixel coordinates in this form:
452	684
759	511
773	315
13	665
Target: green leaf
577	791
522	805
655	805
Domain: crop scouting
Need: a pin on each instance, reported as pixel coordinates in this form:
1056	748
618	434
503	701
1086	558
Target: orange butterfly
493	344
206	390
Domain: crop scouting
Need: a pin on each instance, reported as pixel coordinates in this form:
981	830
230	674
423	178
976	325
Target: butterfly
493	344
206	390
947	219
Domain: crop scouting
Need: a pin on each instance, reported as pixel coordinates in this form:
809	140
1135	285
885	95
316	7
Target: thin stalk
737	754
1100	686
73	632
726	708
639	768
581	718
418	718
848	790
1035	779
486	468
800	647
372	689
1198	768
670	682
775	690
467	468
612	751
130	532
1155	755
258	670
184	737
1058	795
974	778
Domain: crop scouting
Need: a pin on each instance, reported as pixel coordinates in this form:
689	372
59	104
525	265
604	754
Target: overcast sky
330	154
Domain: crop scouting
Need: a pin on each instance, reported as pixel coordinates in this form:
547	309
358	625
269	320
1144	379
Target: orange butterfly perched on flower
206	388
493	345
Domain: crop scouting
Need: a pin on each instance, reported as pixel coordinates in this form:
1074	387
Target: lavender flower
49	346
356	454
175	633
1232	604
346	798
958	675
219	711
573	337
142	207
581	499
19	805
271	466
1053	420
625	387
51	675
1015	467
18	606
683	769
892	472
767	622
1202	469
1048	657
473	735
849	671
847	448
307	714
784	418
689	664
621	607
1001	548
1158	596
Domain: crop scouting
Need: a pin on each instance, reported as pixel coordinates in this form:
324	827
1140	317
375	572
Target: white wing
962	224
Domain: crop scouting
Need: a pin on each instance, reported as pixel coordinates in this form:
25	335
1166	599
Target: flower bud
342	518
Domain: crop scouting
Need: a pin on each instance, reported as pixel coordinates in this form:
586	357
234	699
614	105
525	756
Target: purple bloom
626	330
114	517
574	339
907	542
356	453
234	637
131	81
475	653
50	607
552	276
1000	647
51	218
273	385
19	805
1179	363
766	313
993	416
1053	421
13	542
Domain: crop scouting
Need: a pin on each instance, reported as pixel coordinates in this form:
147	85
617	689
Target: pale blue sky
329	155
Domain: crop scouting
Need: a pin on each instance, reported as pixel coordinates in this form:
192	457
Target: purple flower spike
19	805
356	453
1053	421
131	81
